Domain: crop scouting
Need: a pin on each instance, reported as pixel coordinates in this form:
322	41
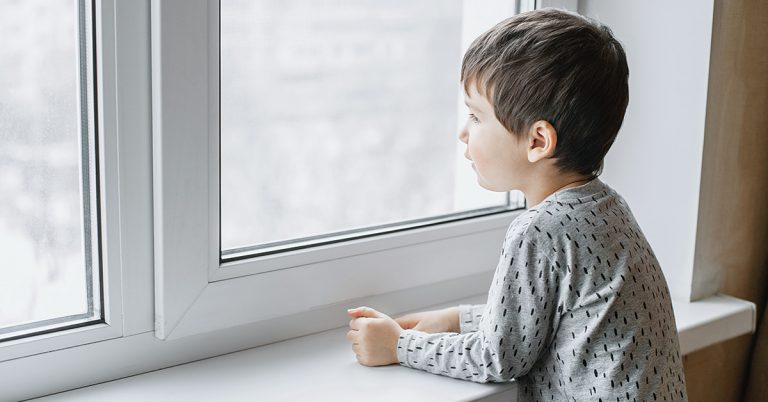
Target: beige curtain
757	383
733	210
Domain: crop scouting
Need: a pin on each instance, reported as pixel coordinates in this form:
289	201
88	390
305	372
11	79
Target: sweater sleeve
469	316
519	326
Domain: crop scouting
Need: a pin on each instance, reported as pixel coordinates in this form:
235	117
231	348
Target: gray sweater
578	310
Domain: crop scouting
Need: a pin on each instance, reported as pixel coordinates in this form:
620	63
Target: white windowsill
322	366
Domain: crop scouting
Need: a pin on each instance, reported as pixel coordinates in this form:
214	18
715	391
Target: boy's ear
542	140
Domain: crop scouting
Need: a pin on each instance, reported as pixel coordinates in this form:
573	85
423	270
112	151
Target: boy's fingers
359	312
357	323
365	311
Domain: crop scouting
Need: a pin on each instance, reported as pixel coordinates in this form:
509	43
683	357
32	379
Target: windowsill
323	364
713	320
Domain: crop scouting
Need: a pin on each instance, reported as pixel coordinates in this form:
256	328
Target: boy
578	308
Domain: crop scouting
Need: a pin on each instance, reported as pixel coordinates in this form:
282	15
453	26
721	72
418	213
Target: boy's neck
540	188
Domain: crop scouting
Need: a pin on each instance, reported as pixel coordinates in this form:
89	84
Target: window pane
47	204
340	115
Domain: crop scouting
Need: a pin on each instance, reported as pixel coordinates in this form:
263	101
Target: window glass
339	116
48	231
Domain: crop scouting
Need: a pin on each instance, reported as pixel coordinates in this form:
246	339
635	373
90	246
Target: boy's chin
491	186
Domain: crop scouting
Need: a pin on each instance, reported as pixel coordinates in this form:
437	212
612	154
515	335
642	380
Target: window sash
105	205
194	292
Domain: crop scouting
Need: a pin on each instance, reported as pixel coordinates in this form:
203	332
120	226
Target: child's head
546	89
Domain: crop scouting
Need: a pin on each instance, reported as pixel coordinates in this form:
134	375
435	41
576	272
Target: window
340	118
49	229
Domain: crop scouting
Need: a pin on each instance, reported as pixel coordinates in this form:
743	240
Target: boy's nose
463	134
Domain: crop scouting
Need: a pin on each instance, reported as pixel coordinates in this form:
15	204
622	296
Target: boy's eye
474	118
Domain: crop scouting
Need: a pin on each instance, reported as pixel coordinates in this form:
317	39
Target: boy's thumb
365	312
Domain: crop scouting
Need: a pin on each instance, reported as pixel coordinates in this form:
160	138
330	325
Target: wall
655	162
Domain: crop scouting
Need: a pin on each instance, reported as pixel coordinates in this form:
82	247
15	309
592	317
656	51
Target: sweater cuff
405	349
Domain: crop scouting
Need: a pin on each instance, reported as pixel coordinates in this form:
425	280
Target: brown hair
557	66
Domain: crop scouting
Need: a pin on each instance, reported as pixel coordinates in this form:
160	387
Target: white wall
656	160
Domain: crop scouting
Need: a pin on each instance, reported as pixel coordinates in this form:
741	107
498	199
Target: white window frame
194	293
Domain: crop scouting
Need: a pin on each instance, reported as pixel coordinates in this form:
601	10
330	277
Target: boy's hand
374	337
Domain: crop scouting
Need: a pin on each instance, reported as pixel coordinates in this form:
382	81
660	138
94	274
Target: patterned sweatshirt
578	310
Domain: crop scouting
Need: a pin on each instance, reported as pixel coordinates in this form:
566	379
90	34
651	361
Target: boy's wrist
454	318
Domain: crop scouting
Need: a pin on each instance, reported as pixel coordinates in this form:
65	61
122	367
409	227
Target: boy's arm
463	356
469	317
520	321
